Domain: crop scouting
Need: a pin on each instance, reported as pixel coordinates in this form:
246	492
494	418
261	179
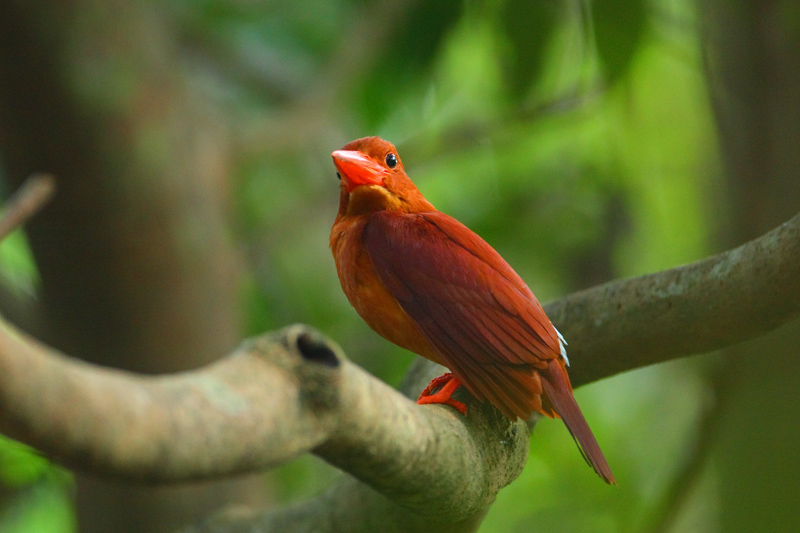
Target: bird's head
373	179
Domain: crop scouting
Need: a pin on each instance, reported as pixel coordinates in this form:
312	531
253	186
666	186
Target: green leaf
619	26
416	40
529	26
20	464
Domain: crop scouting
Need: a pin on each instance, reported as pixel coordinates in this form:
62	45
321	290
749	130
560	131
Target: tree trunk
136	268
753	52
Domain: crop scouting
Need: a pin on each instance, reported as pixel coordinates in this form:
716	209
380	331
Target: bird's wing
486	324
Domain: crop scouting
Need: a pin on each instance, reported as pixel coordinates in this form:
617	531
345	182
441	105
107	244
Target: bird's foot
448	383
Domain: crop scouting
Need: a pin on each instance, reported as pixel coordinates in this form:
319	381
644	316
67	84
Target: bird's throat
370	198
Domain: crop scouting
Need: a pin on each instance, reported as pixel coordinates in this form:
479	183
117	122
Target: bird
424	281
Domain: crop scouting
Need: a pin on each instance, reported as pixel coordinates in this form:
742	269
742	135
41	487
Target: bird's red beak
358	169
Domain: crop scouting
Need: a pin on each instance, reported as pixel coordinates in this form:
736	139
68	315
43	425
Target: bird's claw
448	383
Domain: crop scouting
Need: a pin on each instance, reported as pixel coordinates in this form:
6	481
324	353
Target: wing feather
479	315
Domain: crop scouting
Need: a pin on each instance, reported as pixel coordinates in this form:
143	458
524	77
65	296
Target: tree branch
275	398
697	308
347	507
26	201
293	391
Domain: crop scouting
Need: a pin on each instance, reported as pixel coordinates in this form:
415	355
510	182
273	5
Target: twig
26	201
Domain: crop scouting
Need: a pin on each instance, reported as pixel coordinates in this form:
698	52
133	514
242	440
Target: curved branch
697	308
347	507
277	397
291	392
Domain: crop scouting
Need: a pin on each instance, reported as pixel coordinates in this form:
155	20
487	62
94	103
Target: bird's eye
339	176
391	160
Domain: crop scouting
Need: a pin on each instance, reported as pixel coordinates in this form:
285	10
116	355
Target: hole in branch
315	351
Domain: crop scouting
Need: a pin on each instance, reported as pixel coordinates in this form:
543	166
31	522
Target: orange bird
424	281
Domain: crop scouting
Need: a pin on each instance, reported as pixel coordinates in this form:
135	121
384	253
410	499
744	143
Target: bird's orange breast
370	298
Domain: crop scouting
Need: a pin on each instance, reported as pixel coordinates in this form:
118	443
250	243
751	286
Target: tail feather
558	389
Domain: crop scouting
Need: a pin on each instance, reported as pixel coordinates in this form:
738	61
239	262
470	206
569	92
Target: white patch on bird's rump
562	343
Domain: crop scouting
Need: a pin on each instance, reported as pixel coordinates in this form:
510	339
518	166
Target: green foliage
17	269
416	37
19	464
619	28
529	26
41	501
41	508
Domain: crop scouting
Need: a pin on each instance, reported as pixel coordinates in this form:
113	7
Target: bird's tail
556	385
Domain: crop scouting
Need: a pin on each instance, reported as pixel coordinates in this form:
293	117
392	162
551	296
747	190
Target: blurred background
586	140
